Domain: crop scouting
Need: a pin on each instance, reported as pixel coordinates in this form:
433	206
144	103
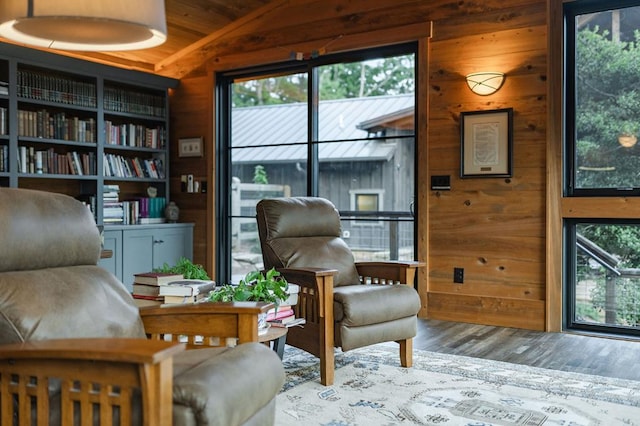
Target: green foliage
385	76
260	175
256	287
608	105
185	267
626	300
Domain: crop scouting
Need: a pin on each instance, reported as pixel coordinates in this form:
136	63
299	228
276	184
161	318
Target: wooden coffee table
276	337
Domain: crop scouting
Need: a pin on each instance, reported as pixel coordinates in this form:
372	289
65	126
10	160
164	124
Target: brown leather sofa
74	346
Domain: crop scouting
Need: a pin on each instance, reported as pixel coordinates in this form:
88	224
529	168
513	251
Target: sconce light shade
89	25
485	83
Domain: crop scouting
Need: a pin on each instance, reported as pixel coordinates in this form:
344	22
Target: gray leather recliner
51	288
346	304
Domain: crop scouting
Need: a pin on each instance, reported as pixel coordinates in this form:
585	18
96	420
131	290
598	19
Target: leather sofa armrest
79	369
204	324
390	272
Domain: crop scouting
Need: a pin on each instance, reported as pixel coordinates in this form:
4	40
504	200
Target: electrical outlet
458	275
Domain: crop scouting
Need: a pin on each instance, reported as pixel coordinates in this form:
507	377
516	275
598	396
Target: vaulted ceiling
193	27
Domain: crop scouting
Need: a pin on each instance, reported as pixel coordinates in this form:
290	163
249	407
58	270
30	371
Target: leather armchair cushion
45	230
69	302
290	240
224	386
365	304
318	252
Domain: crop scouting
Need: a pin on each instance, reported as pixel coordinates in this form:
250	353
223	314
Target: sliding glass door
339	127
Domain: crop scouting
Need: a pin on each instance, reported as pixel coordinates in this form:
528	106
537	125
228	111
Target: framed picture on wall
486	141
190	147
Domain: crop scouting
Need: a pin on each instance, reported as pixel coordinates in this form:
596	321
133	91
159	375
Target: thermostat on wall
441	183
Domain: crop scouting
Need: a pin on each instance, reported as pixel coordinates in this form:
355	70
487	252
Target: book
294	322
173	300
282	313
146	290
187	288
147	300
156	278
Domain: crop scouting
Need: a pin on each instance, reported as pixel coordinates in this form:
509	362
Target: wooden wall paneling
493	228
505	220
423	172
191	107
527	314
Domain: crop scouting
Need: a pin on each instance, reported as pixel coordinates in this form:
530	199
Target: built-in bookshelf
76	127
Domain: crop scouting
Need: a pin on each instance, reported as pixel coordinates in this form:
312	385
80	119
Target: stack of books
186	291
283	316
113	211
146	286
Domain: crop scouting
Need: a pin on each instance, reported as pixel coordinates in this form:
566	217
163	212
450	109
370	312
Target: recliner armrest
86	372
389	272
139	351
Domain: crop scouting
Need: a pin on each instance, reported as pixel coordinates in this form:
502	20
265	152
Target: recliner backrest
304	232
50	283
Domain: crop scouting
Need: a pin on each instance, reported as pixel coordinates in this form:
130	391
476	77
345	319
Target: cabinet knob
158	241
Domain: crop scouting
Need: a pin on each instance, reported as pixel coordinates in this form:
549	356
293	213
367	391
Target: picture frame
486	143
190	147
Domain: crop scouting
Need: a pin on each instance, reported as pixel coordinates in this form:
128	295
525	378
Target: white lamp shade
485	83
90	25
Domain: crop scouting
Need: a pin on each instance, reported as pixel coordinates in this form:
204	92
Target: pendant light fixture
88	25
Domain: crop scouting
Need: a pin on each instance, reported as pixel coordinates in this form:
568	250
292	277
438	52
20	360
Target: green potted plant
187	268
256	287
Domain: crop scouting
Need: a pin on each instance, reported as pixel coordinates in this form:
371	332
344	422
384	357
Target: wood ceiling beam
195	55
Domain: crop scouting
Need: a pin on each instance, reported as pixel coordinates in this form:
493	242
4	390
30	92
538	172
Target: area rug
371	388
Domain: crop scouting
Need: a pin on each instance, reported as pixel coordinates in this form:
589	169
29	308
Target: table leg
278	345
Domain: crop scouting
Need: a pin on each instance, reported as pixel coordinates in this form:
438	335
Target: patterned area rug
372	389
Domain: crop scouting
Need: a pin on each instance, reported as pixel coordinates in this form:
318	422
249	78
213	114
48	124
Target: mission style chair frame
315	304
106	372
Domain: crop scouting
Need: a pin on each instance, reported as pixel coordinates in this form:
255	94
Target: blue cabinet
145	247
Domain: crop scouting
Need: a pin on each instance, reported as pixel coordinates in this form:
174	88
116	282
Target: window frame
570	11
223	100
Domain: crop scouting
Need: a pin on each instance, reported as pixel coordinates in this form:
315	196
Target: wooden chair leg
406	352
327	366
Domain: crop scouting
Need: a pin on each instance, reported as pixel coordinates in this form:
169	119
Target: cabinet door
113	242
137	253
171	244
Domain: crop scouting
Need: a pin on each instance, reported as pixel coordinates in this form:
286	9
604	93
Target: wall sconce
94	25
485	83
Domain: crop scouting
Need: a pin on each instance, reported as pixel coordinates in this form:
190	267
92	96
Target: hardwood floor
558	351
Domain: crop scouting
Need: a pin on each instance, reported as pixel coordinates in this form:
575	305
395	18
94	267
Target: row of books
135	135
46	86
141	210
166	288
4	158
127	167
48	161
43	124
4	120
127	101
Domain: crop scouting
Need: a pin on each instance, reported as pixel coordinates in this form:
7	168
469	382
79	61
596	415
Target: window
603	104
340	127
367	201
602	268
605	290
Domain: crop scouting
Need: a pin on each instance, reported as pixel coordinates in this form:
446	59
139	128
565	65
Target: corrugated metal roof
268	127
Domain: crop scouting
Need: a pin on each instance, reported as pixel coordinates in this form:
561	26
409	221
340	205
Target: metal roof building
278	133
